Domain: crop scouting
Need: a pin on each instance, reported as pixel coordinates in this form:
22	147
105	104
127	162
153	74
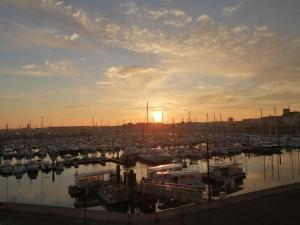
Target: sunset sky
69	61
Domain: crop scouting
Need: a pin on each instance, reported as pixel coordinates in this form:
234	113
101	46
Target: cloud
46	69
124	72
228	11
104	82
26	37
31	67
172	17
205	19
191	64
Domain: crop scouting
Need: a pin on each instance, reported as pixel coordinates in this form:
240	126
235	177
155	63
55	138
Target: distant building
230	120
286	112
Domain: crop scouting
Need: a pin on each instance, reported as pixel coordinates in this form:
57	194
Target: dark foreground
281	208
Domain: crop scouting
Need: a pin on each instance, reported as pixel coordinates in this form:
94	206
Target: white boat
154	156
96	179
174	174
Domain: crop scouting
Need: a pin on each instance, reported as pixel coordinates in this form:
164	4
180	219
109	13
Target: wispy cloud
46	69
172	17
229	10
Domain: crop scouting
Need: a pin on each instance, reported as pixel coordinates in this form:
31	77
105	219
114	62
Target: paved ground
281	209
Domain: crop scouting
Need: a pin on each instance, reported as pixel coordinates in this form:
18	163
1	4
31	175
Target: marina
121	180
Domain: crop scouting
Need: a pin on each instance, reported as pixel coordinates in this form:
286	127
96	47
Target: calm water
50	189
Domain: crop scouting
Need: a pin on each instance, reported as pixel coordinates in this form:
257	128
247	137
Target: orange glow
157	116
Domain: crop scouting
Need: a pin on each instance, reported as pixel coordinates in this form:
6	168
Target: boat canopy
97	173
180	173
171	166
223	165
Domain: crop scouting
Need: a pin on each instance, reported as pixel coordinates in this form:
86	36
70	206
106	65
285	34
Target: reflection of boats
68	160
7	168
46	166
58	167
32	169
19	170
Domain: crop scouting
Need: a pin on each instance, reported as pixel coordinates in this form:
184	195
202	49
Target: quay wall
122	218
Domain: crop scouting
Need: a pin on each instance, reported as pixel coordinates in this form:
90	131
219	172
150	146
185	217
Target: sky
71	61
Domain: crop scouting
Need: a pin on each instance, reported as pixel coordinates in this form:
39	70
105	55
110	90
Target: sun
157	116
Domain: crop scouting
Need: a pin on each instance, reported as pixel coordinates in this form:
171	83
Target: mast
147	113
276	126
207	163
42	122
261	122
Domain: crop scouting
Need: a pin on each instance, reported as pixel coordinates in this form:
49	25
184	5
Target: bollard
182	211
156	217
129	218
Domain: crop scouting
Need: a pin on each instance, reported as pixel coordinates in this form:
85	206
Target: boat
187	152
154	156
93	180
223	172
8	153
173	173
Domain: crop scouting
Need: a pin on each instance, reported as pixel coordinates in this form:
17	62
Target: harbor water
262	171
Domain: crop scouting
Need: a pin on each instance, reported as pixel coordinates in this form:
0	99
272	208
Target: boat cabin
152	171
173	173
95	178
226	169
